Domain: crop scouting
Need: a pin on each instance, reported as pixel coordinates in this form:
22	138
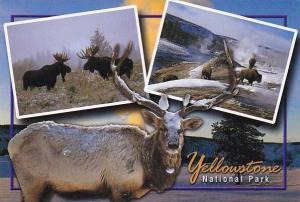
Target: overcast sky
72	33
234	27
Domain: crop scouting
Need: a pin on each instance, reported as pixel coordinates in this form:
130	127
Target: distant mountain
273	151
192	36
182	40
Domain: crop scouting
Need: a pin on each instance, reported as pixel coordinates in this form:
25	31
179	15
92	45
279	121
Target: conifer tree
98	39
238	141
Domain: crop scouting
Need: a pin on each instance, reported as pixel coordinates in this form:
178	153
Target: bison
47	75
252	62
102	64
251	75
206	72
170	77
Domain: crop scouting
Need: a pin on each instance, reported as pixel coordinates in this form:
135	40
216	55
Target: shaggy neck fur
157	161
57	68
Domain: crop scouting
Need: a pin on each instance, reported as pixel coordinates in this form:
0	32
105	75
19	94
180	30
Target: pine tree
238	141
98	39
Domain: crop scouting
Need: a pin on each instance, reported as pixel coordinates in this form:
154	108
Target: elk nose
173	145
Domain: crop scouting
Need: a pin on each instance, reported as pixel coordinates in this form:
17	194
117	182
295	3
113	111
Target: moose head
63	69
89	55
170	126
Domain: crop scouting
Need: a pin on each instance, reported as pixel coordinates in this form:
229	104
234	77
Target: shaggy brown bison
251	75
206	72
252	62
47	75
170	77
102	64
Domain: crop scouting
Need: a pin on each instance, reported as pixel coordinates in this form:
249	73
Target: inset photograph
189	58
62	63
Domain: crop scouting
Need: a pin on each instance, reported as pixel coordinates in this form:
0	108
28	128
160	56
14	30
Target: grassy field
80	89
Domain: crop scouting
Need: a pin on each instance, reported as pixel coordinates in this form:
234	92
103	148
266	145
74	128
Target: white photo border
141	50
234	16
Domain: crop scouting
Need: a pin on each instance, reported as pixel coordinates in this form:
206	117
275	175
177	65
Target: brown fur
119	159
251	75
206	72
170	77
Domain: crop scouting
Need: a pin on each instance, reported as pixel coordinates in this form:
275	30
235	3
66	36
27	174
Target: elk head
61	58
170	126
89	55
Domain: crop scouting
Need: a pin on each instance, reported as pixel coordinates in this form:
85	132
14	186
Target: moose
47	75
122	161
251	75
102	64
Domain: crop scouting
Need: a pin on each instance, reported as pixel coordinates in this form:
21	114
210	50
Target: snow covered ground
194	73
269	75
169	47
186	83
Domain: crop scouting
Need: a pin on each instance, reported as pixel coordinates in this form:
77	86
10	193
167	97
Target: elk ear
150	117
192	123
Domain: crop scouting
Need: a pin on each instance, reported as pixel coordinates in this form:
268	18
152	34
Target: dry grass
181	70
80	89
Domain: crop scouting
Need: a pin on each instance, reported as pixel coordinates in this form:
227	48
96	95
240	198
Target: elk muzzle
173	143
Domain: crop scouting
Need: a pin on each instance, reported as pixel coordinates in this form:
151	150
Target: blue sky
242	7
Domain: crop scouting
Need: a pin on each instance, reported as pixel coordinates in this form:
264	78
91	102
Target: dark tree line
238	142
174	33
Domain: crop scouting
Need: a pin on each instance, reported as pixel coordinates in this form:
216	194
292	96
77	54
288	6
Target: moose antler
61	57
206	104
125	90
88	52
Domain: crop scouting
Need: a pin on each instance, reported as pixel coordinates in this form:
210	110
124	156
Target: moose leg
25	86
63	77
128	75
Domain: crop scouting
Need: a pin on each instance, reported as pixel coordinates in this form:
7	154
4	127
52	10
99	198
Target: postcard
189	58
62	63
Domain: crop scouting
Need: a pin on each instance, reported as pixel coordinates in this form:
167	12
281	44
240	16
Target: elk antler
61	57
126	91
206	104
88	52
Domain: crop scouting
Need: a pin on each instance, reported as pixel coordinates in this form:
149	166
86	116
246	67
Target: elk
47	75
124	161
102	64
